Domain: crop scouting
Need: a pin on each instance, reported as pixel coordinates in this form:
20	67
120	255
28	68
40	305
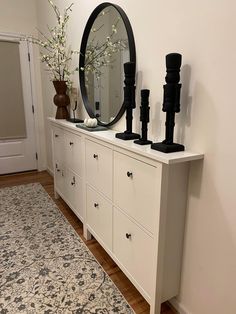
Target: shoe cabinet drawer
99	167
74	192
59	177
58	144
73	152
134	249
99	216
136	189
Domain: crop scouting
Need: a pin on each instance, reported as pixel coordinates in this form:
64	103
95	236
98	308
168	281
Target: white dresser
131	198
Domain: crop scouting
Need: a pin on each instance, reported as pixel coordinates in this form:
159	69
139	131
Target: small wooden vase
61	99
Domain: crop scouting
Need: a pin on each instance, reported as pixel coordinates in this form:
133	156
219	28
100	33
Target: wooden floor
131	294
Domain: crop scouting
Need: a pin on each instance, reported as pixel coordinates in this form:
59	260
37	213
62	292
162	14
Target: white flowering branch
99	55
56	54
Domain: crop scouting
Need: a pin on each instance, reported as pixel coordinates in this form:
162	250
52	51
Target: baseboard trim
178	306
50	171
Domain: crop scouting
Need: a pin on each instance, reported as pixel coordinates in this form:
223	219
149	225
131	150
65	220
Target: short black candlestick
129	101
97	109
74	119
144	117
171	103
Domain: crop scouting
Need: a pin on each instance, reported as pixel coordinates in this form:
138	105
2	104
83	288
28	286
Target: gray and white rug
44	266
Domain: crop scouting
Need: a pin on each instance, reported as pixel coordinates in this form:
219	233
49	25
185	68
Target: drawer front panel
99	167
137	189
73	152
99	216
59	177
58	142
74	192
134	249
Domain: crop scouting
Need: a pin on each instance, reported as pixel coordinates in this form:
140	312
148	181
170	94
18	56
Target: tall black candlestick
144	117
171	103
129	101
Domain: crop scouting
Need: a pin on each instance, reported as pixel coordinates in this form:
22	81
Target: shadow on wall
155	125
136	112
209	249
209	272
183	119
204	135
195	173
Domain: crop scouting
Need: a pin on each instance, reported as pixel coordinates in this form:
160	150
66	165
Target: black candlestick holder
74	119
171	103
97	109
144	117
129	102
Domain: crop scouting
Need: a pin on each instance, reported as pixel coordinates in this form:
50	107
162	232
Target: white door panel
17	139
10	149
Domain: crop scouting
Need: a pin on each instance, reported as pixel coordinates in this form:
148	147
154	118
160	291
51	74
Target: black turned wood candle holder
74	119
171	103
144	117
129	102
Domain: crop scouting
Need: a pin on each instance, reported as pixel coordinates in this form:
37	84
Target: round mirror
107	43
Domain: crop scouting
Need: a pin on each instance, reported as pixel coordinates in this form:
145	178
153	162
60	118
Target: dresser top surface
146	151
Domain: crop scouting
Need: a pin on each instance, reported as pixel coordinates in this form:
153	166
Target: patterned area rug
44	266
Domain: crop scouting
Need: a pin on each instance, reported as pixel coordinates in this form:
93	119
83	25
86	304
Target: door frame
36	100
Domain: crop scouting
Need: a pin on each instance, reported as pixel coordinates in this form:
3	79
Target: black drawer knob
129	174
128	235
73	182
71	143
56	135
95	205
58	170
95	156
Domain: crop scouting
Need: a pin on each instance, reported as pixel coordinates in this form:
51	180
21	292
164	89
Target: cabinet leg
87	234
155	307
56	195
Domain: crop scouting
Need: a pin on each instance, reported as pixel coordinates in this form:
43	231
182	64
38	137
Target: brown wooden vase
61	99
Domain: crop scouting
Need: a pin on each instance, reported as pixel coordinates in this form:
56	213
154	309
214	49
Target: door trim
38	110
36	98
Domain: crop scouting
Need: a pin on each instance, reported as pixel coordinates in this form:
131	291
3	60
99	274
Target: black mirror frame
83	46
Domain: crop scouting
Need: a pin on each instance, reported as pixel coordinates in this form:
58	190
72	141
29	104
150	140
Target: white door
17	133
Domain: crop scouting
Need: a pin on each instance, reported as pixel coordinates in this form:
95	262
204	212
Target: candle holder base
75	120
143	142
127	136
168	148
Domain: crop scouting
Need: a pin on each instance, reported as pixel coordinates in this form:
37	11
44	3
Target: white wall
204	32
19	17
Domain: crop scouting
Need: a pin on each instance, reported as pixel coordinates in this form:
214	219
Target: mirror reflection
106	51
